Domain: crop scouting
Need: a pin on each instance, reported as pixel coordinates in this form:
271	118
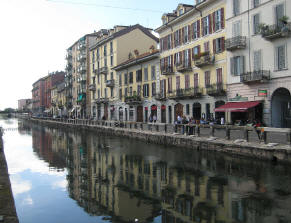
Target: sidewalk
7	206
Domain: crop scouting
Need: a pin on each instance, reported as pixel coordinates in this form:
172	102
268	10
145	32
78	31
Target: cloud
60	184
27	201
19	186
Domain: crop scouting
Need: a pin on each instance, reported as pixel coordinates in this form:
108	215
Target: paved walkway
7	207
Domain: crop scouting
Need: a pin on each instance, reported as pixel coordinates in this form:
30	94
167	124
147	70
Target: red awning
154	107
237	106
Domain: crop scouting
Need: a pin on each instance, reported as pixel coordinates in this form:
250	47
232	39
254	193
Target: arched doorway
281	108
178	110
163	113
196	111
139	114
219	115
120	114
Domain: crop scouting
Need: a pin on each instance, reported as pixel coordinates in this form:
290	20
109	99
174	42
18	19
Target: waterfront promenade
7	206
234	140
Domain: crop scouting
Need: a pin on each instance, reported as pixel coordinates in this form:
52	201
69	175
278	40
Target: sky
36	33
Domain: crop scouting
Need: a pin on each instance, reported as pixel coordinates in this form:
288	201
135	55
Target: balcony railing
101	100
184	66
204	60
218	89
82	45
81	78
103	70
92	87
132	100
255	76
238	42
82	69
167	70
110	83
271	32
82	57
194	92
69	67
69	55
160	96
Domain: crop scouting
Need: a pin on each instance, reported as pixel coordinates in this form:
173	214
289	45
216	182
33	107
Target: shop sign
238	98
263	93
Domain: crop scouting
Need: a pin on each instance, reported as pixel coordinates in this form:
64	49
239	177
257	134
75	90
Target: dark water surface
76	176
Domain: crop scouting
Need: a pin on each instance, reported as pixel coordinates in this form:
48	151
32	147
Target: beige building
193	60
112	48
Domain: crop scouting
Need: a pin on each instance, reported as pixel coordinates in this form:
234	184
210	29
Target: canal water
77	176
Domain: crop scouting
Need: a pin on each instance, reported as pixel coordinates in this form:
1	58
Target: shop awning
237	106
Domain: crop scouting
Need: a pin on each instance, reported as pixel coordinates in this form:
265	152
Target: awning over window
237	106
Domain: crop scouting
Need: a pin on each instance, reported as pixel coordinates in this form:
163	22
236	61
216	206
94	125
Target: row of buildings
213	59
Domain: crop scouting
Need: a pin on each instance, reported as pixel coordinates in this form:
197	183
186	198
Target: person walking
154	118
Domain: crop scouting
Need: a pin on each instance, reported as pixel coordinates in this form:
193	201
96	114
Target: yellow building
112	48
61	100
193	59
138	78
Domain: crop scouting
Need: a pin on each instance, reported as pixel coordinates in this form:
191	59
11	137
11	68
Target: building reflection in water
123	179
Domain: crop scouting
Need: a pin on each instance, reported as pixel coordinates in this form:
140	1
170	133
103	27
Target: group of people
186	120
153	118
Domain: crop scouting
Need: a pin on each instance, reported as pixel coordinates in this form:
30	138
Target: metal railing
238	42
258	75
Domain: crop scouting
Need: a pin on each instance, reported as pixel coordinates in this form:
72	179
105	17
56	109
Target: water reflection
122	179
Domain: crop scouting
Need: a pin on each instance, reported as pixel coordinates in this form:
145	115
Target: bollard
227	133
165	128
246	135
288	136
198	130
264	135
212	130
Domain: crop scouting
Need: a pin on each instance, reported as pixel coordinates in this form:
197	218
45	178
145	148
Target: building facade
258	42
138	80
113	47
193	60
78	71
38	105
24	105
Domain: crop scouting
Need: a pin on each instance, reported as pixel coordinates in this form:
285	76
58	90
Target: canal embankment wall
236	147
7	206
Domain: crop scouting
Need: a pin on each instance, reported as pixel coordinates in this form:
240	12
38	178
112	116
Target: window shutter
210	24
182	39
172	62
198	28
199	49
172	39
219	75
177	83
202	26
279	14
214	22
222	18
166	43
143	90
175	58
222	44
232	66
196	80
214	46
242	65
193	53
189	57
189	33
192	31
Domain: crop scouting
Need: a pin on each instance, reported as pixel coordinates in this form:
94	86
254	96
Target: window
98	78
256	23
218	45
218	20
196	51
219	76
180	12
206	46
105	62
105	92
257	60
177	38
187	81
98	93
256	3
125	78
131	77
98	54
186	34
280	57
236	8
111	75
111	60
138	90
236	29
177	83
164	21
169	42
170	88
111	47
205	25
111	92
196	29
207	78
139	76
145	90
146	75
196	80
125	92
120	80
186	58
237	65
93	56
177	58
93	67
130	91
105	51
153	89
279	11
153	68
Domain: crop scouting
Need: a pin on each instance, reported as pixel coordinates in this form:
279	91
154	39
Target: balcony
188	93
82	45
133	100
235	43
82	69
104	70
81	78
160	97
218	89
69	55
184	66
167	70
272	32
255	76
102	100
69	67
110	83
92	87
204	59
81	57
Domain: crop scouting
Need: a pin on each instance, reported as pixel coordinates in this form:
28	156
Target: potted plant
284	20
